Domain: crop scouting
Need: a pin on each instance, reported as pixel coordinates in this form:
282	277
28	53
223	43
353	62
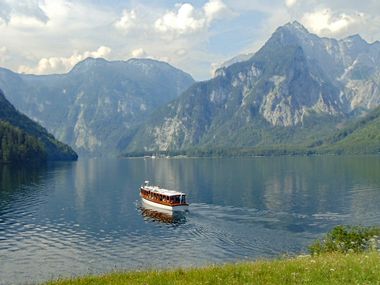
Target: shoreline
363	268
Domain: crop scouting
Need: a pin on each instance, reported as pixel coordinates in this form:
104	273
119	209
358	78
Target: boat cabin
162	196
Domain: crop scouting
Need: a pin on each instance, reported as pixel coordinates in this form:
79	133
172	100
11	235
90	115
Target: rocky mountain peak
356	38
146	61
292	82
88	64
296	27
292	31
355	45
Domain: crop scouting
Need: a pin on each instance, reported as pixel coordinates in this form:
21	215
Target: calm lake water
68	219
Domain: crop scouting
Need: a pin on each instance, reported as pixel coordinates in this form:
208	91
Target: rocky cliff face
297	85
93	105
293	79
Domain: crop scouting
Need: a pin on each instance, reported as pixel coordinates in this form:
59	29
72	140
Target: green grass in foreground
331	268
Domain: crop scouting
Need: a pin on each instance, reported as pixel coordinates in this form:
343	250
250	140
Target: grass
331	268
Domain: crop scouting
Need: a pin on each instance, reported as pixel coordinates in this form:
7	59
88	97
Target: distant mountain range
98	101
22	139
296	89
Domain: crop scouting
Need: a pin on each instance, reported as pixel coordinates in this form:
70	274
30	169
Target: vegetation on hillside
25	139
361	136
17	146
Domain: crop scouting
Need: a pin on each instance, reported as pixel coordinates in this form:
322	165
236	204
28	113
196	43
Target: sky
51	36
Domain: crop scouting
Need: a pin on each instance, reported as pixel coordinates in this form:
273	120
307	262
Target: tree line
16	145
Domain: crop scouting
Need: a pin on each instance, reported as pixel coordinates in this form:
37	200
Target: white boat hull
165	207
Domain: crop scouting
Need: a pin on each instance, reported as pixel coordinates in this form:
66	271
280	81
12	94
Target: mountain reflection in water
67	219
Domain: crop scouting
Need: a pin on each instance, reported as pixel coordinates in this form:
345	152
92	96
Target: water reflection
152	214
22	186
314	185
14	177
77	218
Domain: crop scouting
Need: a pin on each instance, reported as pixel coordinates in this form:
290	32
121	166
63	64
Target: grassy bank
331	268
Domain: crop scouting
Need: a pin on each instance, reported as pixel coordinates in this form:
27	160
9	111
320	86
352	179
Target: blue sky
51	36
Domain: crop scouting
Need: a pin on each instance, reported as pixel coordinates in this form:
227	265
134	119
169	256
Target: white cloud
290	3
3	54
181	52
59	10
25	9
186	19
63	64
325	22
139	53
41	35
182	21
25	22
127	21
214	9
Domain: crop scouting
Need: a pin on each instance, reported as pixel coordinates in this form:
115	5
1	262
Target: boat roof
158	190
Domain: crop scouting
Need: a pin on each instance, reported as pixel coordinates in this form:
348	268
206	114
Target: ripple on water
77	223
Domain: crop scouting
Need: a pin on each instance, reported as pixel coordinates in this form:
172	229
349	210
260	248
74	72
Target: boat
161	198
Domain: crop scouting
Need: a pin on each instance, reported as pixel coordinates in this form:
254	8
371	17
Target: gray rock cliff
92	106
296	81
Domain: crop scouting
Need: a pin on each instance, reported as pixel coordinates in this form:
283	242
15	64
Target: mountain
235	59
23	139
18	146
295	89
359	137
92	106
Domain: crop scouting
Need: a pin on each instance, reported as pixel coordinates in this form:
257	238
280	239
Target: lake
68	219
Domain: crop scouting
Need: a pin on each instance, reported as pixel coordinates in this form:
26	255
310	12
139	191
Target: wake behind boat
161	198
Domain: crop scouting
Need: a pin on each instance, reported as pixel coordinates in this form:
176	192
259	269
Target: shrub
345	239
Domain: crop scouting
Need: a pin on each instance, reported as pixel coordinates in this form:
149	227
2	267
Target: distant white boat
161	198
150	156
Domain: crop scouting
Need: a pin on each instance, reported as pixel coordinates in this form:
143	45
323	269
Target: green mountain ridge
23	139
361	136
